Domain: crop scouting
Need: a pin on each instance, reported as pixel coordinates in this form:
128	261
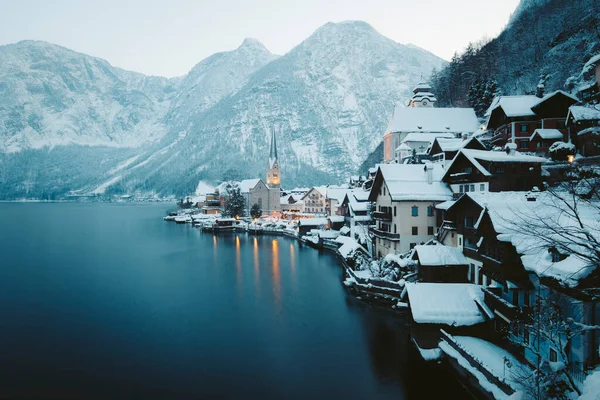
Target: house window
461	188
394	211
526	336
412	245
472	273
524	144
415	211
553	355
384	190
481	187
472	188
395	228
260	203
460	241
468	170
394	245
430	211
415	230
469	222
466	188
430	230
523	127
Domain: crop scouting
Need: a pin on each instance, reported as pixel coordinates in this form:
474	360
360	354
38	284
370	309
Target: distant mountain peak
254	44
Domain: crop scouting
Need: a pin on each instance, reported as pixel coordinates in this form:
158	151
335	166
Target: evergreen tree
255	211
234	204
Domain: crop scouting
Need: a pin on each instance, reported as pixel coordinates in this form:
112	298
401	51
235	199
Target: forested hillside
544	39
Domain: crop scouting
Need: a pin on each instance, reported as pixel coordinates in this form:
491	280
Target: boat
255	229
183	219
170	217
224	225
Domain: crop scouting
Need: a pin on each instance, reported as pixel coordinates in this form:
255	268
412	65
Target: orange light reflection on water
276	276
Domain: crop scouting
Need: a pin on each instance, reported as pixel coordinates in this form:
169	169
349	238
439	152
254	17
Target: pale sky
168	38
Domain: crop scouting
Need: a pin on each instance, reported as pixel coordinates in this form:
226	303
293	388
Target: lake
108	300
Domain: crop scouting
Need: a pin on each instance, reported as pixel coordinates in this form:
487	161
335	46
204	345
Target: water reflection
256	269
276	275
238	264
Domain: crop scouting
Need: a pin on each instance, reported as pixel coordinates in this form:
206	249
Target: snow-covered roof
438	255
424	119
422	86
426	137
454	304
593	130
313	221
337	193
494	156
549	95
409	182
403	146
592	60
528	226
248	184
453	144
585	113
445	205
514	106
547	134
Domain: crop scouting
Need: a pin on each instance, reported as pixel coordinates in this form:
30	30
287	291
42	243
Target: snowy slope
53	96
328	100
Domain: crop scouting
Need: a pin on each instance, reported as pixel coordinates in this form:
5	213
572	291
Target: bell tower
273	172
274	177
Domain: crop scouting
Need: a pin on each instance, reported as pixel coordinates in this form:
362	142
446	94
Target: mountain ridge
328	99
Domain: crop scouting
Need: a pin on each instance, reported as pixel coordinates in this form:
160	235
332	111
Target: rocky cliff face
328	100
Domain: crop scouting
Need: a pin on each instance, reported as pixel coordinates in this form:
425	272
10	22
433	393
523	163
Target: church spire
273	152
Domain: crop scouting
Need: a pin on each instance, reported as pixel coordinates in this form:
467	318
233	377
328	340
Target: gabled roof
424	119
409	182
457	144
528	226
248	184
584	113
438	255
322	190
555	94
514	106
548	134
474	156
454	304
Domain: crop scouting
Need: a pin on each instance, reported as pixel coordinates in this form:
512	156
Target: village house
315	200
292	203
493	171
421	117
515	119
405	196
590	90
457	308
442	264
443	150
583	123
516	263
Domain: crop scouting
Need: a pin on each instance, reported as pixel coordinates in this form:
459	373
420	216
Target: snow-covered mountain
328	100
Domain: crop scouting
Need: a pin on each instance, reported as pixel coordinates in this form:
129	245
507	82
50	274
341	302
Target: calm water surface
109	301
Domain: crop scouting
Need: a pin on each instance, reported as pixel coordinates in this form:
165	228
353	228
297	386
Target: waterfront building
404	197
421	117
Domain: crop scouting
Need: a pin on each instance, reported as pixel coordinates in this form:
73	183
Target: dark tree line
553	38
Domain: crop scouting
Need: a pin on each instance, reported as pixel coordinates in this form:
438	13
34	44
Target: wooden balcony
382	216
506	308
385	235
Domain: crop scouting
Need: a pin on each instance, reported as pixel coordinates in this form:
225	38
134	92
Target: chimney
540	90
511	149
464	136
429	172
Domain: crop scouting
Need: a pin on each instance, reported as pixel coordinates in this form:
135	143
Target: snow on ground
591	387
493	359
348	245
485	384
123	165
102	188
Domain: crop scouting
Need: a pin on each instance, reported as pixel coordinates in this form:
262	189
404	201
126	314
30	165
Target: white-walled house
315	200
405	196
